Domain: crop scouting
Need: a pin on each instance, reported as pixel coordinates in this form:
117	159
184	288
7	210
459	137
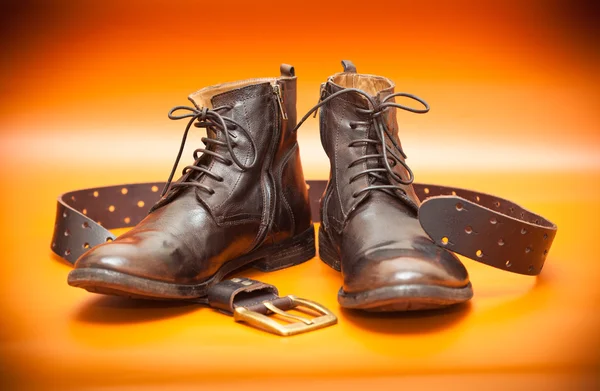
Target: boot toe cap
103	257
406	267
140	256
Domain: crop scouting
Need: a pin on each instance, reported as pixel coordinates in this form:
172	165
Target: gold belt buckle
303	325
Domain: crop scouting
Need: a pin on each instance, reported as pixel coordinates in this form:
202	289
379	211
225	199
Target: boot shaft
346	121
272	190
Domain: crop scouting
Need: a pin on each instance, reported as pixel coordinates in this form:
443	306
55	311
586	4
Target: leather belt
482	227
485	228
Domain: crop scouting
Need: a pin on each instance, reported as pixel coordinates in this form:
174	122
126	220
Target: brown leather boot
369	229
243	201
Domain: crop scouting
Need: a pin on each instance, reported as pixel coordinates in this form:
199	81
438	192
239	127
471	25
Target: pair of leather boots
244	202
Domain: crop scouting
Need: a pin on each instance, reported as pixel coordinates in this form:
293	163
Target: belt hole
84	211
445	240
523	231
497	204
111	208
85	224
154	189
68	252
459	206
493	220
453	193
67	232
53	245
469	229
73	198
545	252
96	194
527	249
86	245
530	268
545	236
124	191
477	198
426	190
109	239
479	253
127	220
508	264
500	242
65	214
140	204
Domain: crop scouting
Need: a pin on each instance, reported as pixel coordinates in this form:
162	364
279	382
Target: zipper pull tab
321	97
277	91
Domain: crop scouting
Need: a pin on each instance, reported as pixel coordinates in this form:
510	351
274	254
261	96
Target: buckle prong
276	310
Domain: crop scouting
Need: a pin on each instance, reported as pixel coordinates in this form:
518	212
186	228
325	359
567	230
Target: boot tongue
202	98
390	119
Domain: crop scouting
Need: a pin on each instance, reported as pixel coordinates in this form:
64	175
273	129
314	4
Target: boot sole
293	251
405	297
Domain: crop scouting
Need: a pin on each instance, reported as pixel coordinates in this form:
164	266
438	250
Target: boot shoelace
388	155
208	119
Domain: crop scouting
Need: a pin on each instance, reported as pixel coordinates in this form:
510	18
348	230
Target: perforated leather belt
485	228
482	227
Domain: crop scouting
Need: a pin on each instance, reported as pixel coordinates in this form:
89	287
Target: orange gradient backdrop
513	85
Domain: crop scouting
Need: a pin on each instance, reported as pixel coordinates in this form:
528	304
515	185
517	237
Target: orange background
513	85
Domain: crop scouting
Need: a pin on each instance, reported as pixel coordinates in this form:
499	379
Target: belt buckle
303	325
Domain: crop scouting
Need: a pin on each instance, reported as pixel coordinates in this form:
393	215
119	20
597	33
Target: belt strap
228	295
485	228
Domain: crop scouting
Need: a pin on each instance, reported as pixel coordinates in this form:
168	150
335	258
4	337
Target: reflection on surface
413	322
103	309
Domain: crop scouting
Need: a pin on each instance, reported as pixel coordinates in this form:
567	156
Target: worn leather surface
190	234
377	235
383	244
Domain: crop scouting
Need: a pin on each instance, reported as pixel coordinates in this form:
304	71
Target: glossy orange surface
514	93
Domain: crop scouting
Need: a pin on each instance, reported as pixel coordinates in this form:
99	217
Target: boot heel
297	250
327	252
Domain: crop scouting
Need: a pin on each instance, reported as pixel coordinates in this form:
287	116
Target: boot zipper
321	97
277	91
